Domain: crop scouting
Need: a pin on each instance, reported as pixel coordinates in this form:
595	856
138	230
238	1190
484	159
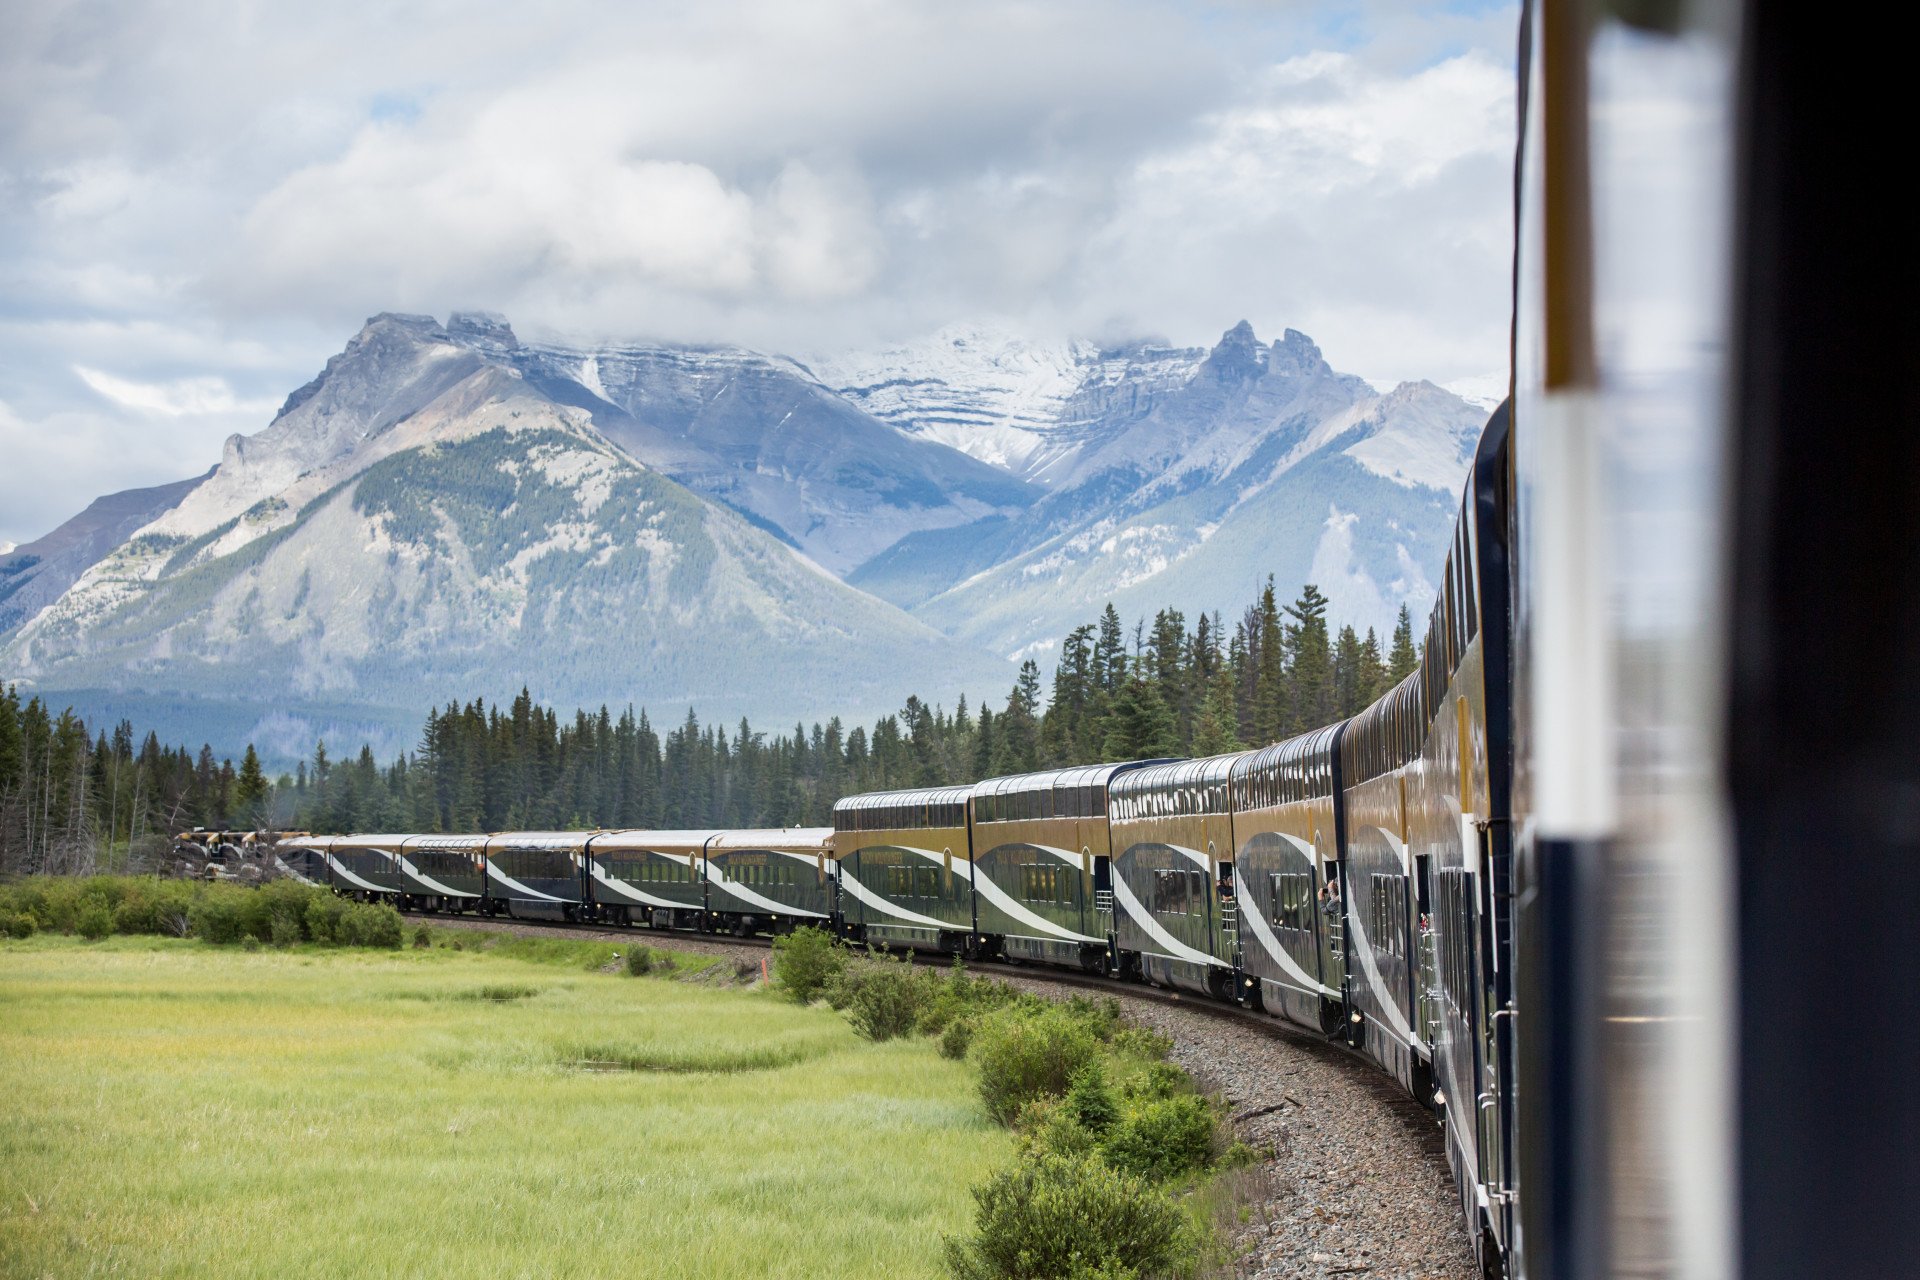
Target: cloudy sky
201	201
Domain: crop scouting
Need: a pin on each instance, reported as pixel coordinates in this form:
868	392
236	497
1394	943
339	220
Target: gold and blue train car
1457	841
1287	833
1174	920
538	874
1382	777
444	873
1042	868
906	874
771	881
367	867
655	878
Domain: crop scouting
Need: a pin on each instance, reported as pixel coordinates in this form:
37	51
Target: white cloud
174	399
188	202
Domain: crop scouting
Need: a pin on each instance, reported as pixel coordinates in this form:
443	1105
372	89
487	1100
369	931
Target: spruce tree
1311	675
250	789
1140	726
1403	659
1349	675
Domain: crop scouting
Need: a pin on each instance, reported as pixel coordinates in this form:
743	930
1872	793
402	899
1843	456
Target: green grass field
174	1109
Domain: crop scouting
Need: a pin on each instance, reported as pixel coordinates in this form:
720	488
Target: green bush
322	918
422	938
888	998
285	930
1166	1138
1091	1101
1048	1126
249	943
23	925
806	962
1060	1216
217	918
639	960
94	922
367	924
1138	1042
956	1038
1023	1054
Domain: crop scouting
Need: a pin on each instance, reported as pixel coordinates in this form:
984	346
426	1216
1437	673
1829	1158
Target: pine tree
1350	675
1402	660
1373	680
250	789
1311	674
1141	725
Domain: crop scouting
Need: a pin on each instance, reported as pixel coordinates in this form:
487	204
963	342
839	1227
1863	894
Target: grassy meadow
176	1109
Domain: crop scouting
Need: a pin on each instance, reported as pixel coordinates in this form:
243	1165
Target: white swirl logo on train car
495	873
624	889
738	890
1144	918
340	869
1264	932
1012	906
429	881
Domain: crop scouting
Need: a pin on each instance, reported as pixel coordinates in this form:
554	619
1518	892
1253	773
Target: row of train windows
1040	883
1387	916
783	872
913	882
1047	802
1180	893
1308	777
1174	800
1292	899
902	817
545	864
650	871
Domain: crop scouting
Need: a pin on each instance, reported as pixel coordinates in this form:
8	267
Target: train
1350	880
1620	882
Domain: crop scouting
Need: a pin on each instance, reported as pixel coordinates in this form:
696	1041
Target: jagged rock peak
487	329
1238	354
1297	355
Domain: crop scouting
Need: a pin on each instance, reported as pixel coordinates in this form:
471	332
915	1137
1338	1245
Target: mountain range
446	510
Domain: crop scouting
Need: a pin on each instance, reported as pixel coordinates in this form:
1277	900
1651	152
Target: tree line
1163	688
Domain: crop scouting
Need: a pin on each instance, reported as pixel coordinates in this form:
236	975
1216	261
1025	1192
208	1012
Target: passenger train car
1619	882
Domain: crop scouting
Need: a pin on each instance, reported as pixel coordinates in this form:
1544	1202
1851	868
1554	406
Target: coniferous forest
74	799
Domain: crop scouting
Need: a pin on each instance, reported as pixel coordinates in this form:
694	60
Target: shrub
1165	1138
1138	1042
284	929
366	924
1048	1126
6	922
23	925
217	918
1091	1101
94	922
422	938
806	962
1023	1054
322	918
889	998
639	960
1060	1216
956	1038
249	943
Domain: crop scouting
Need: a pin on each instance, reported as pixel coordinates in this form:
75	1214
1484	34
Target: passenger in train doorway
1330	895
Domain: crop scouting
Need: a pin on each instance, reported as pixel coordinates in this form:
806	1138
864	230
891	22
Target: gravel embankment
1356	1180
